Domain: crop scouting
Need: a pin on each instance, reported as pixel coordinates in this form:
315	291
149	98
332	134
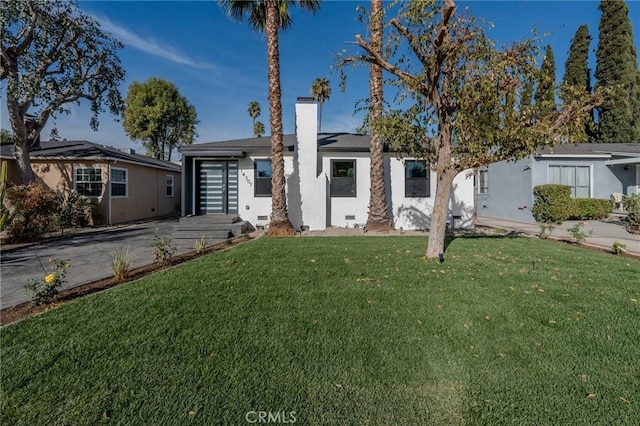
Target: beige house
126	186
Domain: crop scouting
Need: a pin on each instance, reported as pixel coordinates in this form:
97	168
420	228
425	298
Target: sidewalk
605	233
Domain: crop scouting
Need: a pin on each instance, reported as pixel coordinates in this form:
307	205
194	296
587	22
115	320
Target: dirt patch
27	309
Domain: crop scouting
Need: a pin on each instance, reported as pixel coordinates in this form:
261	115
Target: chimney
312	182
31	124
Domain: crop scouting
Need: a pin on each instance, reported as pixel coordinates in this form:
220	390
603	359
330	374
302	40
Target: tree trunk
21	136
378	219
23	161
445	173
280	223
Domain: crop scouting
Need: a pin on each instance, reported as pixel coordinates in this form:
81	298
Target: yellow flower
49	278
68	265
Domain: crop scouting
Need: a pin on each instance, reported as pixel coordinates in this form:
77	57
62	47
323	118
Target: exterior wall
147	196
414	213
605	180
146	189
510	192
256	210
348	212
59	176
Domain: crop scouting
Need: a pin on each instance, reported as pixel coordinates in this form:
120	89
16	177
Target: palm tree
270	16
378	218
321	92
254	112
258	129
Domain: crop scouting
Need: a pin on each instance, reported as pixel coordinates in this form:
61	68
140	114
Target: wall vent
350	217
263	217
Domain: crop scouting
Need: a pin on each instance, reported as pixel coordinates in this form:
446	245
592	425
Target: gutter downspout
109	189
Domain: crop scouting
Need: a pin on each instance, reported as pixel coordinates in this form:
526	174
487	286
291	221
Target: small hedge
631	204
551	203
590	208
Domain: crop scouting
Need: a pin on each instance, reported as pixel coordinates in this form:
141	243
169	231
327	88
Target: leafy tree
5	137
258	129
545	96
156	114
321	92
577	75
460	104
378	217
53	55
617	69
254	112
271	16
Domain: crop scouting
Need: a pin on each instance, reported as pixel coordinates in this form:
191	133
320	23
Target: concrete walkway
90	255
605	232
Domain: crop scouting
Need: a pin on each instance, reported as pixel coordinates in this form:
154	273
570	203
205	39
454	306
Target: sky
220	65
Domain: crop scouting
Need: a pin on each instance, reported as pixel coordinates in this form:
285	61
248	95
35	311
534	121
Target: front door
217	187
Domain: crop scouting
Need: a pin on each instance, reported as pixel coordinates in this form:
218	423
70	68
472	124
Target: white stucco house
327	178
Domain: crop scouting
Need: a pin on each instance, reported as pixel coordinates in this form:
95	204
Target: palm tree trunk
280	223
378	219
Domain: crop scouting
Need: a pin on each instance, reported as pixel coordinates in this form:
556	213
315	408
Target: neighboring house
126	186
327	178
505	189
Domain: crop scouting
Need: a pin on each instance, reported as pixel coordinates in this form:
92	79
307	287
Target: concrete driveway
90	255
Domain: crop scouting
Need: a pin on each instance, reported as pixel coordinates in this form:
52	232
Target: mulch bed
27	309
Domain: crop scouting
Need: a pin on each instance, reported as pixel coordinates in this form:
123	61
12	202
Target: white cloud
149	45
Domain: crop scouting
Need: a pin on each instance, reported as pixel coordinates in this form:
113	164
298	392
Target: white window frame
167	186
482	185
125	183
574	187
76	181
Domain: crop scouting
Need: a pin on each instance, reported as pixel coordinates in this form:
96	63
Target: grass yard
345	331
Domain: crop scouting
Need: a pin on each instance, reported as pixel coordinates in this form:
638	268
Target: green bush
551	203
75	210
631	204
590	208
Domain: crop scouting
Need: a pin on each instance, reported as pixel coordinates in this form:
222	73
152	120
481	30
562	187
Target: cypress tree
577	75
617	70
545	92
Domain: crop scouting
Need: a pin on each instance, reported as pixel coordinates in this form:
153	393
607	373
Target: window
263	173
169	185
577	177
416	179
88	181
343	178
482	182
119	182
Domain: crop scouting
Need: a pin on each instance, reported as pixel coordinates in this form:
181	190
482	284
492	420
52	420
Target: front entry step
211	227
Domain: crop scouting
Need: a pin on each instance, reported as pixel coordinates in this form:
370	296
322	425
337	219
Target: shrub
120	263
163	249
75	210
551	203
46	290
578	234
590	208
631	204
34	206
546	229
619	248
201	245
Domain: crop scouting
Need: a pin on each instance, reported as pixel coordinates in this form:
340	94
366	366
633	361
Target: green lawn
342	331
